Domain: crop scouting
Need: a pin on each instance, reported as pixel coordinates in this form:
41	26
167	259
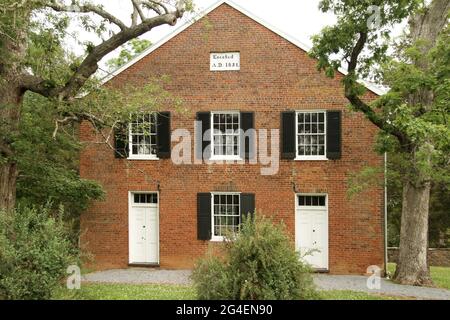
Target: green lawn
440	275
101	291
96	291
353	295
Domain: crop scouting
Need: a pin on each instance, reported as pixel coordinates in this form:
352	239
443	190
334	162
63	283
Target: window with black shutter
288	135
311	135
202	144
334	135
204	216
248	138
247	205
121	136
164	135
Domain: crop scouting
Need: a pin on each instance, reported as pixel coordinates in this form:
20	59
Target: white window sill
312	158
154	158
221	158
217	239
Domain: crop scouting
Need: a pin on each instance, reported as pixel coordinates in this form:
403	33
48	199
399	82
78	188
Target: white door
311	229
143	228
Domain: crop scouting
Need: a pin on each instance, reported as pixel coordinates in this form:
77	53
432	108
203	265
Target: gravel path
140	276
323	282
359	283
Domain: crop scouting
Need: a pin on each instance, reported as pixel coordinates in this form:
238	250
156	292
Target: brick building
233	71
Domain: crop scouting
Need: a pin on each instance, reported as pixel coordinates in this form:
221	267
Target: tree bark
412	268
8	178
10	106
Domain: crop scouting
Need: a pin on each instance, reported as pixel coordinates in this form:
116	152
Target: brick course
275	76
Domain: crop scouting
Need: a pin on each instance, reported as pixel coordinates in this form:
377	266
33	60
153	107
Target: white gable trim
187	24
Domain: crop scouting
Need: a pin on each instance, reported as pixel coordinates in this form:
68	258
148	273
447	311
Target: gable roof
372	87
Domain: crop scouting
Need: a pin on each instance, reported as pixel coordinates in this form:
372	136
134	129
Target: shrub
260	263
34	253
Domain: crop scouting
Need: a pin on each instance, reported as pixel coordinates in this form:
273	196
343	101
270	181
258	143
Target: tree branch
154	5
137	7
351	95
90	63
87	8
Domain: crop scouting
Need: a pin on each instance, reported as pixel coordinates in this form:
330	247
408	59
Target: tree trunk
8	177
412	268
10	106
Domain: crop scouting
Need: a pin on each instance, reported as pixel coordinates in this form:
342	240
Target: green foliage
333	46
34	253
128	52
413	72
259	264
49	166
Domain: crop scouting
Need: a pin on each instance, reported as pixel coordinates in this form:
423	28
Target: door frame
130	205
327	233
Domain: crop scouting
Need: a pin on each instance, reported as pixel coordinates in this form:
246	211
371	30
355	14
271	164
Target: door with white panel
143	228
311	229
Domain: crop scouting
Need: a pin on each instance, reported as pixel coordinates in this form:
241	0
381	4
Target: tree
412	117
128	52
32	35
439	217
49	166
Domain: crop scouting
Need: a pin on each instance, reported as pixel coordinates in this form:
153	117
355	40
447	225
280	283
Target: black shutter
201	142
248	137
334	134
288	135
121	136
247	205
204	216
163	123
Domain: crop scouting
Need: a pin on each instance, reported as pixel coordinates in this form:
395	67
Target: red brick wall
275	76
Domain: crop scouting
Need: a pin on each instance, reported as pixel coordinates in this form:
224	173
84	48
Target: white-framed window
143	137
311	135
225	135
306	200
145	198
226	214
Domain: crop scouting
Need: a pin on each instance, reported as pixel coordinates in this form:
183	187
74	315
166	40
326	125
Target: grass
440	275
352	295
102	291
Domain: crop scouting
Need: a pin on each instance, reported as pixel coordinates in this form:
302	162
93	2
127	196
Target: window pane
226	139
311	134
301	200
143	134
321	117
322	201
226	213
308	201
301	151
307	117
